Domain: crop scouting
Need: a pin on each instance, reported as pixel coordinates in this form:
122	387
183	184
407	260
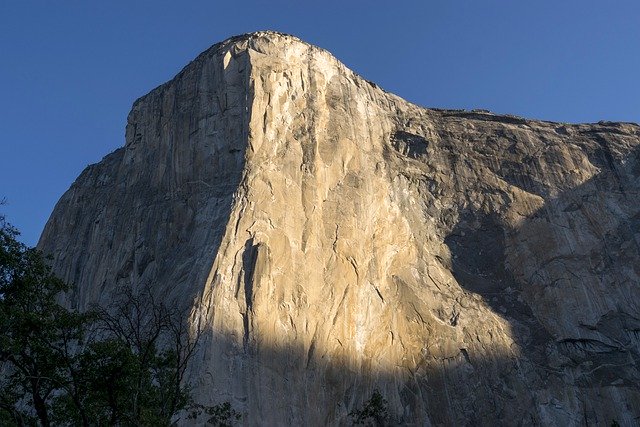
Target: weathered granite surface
332	238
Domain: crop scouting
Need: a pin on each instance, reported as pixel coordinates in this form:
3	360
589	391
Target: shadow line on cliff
604	353
552	382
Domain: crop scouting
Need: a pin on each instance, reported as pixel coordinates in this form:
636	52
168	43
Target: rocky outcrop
331	238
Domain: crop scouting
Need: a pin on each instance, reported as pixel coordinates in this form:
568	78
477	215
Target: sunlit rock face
331	238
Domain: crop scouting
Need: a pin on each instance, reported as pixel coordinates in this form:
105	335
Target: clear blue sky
70	70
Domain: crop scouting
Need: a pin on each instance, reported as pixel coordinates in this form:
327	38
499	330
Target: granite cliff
330	238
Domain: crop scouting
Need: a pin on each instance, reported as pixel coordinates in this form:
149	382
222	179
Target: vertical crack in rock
249	262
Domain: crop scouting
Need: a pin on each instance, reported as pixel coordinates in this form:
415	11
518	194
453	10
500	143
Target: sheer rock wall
331	238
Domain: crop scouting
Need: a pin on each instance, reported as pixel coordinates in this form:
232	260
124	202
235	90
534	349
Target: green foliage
117	365
373	413
222	415
141	359
36	333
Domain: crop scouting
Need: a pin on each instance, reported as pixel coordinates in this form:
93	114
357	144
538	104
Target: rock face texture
331	238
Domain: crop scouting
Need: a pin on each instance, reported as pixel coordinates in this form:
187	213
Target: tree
36	333
373	413
151	343
118	365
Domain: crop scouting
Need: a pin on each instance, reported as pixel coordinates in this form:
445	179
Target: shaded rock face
330	238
